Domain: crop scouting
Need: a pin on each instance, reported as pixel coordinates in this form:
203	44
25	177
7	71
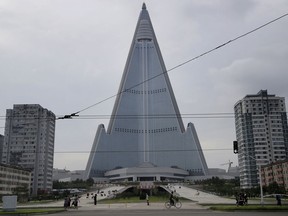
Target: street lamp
235	149
260	179
261	188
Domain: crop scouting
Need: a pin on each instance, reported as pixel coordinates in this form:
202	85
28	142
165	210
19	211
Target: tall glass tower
146	125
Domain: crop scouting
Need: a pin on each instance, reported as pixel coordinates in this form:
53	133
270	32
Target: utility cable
177	66
129	116
129	151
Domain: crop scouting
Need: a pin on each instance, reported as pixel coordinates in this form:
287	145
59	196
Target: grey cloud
67	55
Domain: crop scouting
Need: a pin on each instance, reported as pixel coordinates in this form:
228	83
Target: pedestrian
171	199
95	199
278	199
66	202
147	199
245	199
75	202
69	202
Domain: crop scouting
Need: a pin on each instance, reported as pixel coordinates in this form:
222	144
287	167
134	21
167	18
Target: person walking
95	199
66	202
147	199
69	202
76	202
171	199
278	199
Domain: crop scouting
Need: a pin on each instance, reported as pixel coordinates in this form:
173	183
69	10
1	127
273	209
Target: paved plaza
196	199
195	196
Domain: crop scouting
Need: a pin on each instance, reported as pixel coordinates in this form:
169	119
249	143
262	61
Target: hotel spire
146	124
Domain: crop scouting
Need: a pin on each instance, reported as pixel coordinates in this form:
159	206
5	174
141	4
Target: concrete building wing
275	172
13	177
146	124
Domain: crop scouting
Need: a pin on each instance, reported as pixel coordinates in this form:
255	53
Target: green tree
90	182
78	183
274	188
22	192
219	186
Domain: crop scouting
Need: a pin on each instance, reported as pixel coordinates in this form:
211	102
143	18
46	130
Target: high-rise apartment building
1	146
261	132
29	143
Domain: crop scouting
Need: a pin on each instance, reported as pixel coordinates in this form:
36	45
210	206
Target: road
163	212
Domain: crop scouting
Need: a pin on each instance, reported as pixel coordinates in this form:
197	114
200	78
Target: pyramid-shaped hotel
146	138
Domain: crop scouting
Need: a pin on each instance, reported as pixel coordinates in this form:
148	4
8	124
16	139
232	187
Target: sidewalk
117	206
199	196
196	197
140	206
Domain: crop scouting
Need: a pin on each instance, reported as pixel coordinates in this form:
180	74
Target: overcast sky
69	54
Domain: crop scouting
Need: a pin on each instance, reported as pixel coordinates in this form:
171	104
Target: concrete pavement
199	196
195	196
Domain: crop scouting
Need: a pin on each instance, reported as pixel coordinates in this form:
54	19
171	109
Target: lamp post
235	149
260	180
261	188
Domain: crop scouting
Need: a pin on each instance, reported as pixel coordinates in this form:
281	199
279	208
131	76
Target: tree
90	182
78	183
22	192
220	186
274	188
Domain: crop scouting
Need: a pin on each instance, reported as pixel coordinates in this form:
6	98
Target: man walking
95	199
147	199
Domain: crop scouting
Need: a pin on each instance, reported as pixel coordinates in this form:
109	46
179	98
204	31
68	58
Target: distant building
146	124
216	172
1	146
12	177
262	134
29	143
63	175
275	172
233	171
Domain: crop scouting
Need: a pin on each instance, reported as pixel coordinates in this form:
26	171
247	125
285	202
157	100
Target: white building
29	143
12	177
262	134
147	172
63	175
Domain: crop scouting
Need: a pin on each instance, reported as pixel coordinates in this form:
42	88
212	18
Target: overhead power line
150	116
131	151
136	151
195	116
179	65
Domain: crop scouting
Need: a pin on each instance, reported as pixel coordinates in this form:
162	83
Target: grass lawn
32	211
